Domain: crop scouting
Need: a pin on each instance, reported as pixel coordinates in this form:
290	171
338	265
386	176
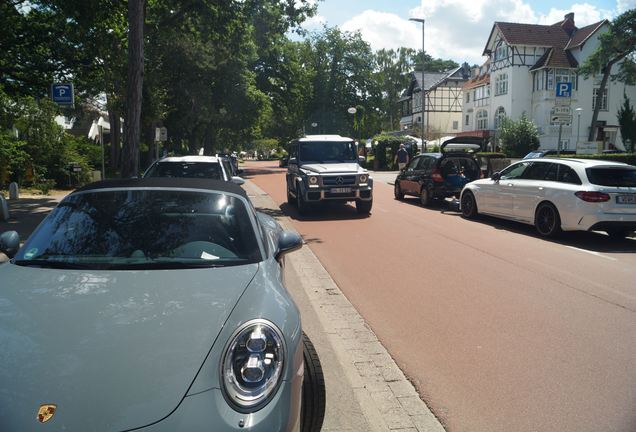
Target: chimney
568	24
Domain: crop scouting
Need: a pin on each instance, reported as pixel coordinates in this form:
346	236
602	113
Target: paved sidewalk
26	213
386	399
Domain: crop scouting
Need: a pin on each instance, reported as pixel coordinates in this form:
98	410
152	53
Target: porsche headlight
363	178
313	180
252	364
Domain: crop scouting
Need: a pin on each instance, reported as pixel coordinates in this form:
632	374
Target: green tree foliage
627	120
33	144
617	47
341	67
518	137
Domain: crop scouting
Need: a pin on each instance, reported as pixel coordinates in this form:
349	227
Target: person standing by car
402	157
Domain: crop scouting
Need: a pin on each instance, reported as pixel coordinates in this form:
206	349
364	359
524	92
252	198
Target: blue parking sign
62	94
564	89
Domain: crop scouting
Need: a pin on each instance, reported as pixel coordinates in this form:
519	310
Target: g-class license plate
340	190
626	199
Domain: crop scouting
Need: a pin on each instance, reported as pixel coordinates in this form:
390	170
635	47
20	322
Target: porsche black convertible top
166	182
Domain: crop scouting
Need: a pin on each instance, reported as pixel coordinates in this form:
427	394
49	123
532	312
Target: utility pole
421	20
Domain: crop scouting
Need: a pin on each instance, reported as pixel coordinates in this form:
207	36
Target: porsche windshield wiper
164	265
53	264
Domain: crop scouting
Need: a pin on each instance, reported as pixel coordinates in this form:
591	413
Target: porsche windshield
320	151
148	228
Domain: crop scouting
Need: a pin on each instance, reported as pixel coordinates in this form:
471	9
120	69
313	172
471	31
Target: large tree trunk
115	138
599	98
130	154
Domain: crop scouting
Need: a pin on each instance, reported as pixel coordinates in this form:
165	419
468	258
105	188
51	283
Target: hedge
628	158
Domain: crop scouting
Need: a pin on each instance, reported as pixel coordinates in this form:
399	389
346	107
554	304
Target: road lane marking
597	254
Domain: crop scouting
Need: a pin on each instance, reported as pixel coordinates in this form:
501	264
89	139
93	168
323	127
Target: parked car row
161	302
552	194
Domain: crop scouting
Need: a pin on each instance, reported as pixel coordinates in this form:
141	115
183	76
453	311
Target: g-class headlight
252	365
313	180
363	178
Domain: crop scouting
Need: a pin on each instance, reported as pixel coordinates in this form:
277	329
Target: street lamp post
578	125
421	20
353	111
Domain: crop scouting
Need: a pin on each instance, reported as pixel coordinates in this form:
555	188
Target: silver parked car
208	167
558	195
154	304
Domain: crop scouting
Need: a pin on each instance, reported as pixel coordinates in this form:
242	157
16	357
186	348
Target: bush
518	137
628	158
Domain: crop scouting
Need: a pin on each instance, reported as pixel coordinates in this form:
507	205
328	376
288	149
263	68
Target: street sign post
561	113
63	94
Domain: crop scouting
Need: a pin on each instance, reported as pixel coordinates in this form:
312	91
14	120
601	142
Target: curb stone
388	400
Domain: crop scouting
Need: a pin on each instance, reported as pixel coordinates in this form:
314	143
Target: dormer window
501	52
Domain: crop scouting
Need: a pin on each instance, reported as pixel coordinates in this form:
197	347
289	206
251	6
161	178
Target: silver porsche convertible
156	305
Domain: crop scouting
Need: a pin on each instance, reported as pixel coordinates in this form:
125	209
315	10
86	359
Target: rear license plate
626	199
340	190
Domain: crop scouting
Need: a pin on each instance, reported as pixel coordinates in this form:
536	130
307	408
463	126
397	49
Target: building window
482	119
455	125
538	81
467	121
417	102
501	52
501	84
500	114
603	101
467	96
559	75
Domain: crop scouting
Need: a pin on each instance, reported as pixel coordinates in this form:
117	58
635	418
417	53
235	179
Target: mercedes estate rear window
209	170
612	176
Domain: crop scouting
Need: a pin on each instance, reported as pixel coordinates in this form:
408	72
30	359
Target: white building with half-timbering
524	65
443	108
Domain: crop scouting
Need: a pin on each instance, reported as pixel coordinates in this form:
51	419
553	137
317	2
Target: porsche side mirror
238	180
288	241
496	176
9	243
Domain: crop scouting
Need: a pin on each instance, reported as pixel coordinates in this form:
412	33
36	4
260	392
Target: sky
454	29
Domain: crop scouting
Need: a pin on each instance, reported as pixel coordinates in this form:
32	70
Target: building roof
533	34
430	79
583	34
556	58
561	37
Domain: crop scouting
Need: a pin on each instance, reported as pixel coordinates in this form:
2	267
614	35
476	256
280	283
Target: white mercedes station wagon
558	195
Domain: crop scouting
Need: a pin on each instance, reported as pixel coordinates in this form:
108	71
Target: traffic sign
561	110
63	94
561	119
564	89
161	134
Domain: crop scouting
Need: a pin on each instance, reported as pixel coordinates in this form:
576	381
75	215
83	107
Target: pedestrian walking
401	157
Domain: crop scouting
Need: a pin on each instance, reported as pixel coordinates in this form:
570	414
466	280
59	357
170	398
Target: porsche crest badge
46	412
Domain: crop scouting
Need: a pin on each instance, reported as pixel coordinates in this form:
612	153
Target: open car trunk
458	170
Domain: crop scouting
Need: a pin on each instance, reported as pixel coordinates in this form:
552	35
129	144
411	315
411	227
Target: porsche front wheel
314	397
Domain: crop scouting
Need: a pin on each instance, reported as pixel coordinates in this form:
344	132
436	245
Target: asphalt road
498	329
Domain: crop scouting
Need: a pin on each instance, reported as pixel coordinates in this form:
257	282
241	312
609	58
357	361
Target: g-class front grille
346	180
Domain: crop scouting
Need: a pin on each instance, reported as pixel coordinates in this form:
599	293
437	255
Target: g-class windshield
327	151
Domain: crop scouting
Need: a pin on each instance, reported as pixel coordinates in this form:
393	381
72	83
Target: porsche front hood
114	350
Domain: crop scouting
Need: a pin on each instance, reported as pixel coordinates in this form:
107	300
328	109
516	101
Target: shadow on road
249	173
324	211
587	240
